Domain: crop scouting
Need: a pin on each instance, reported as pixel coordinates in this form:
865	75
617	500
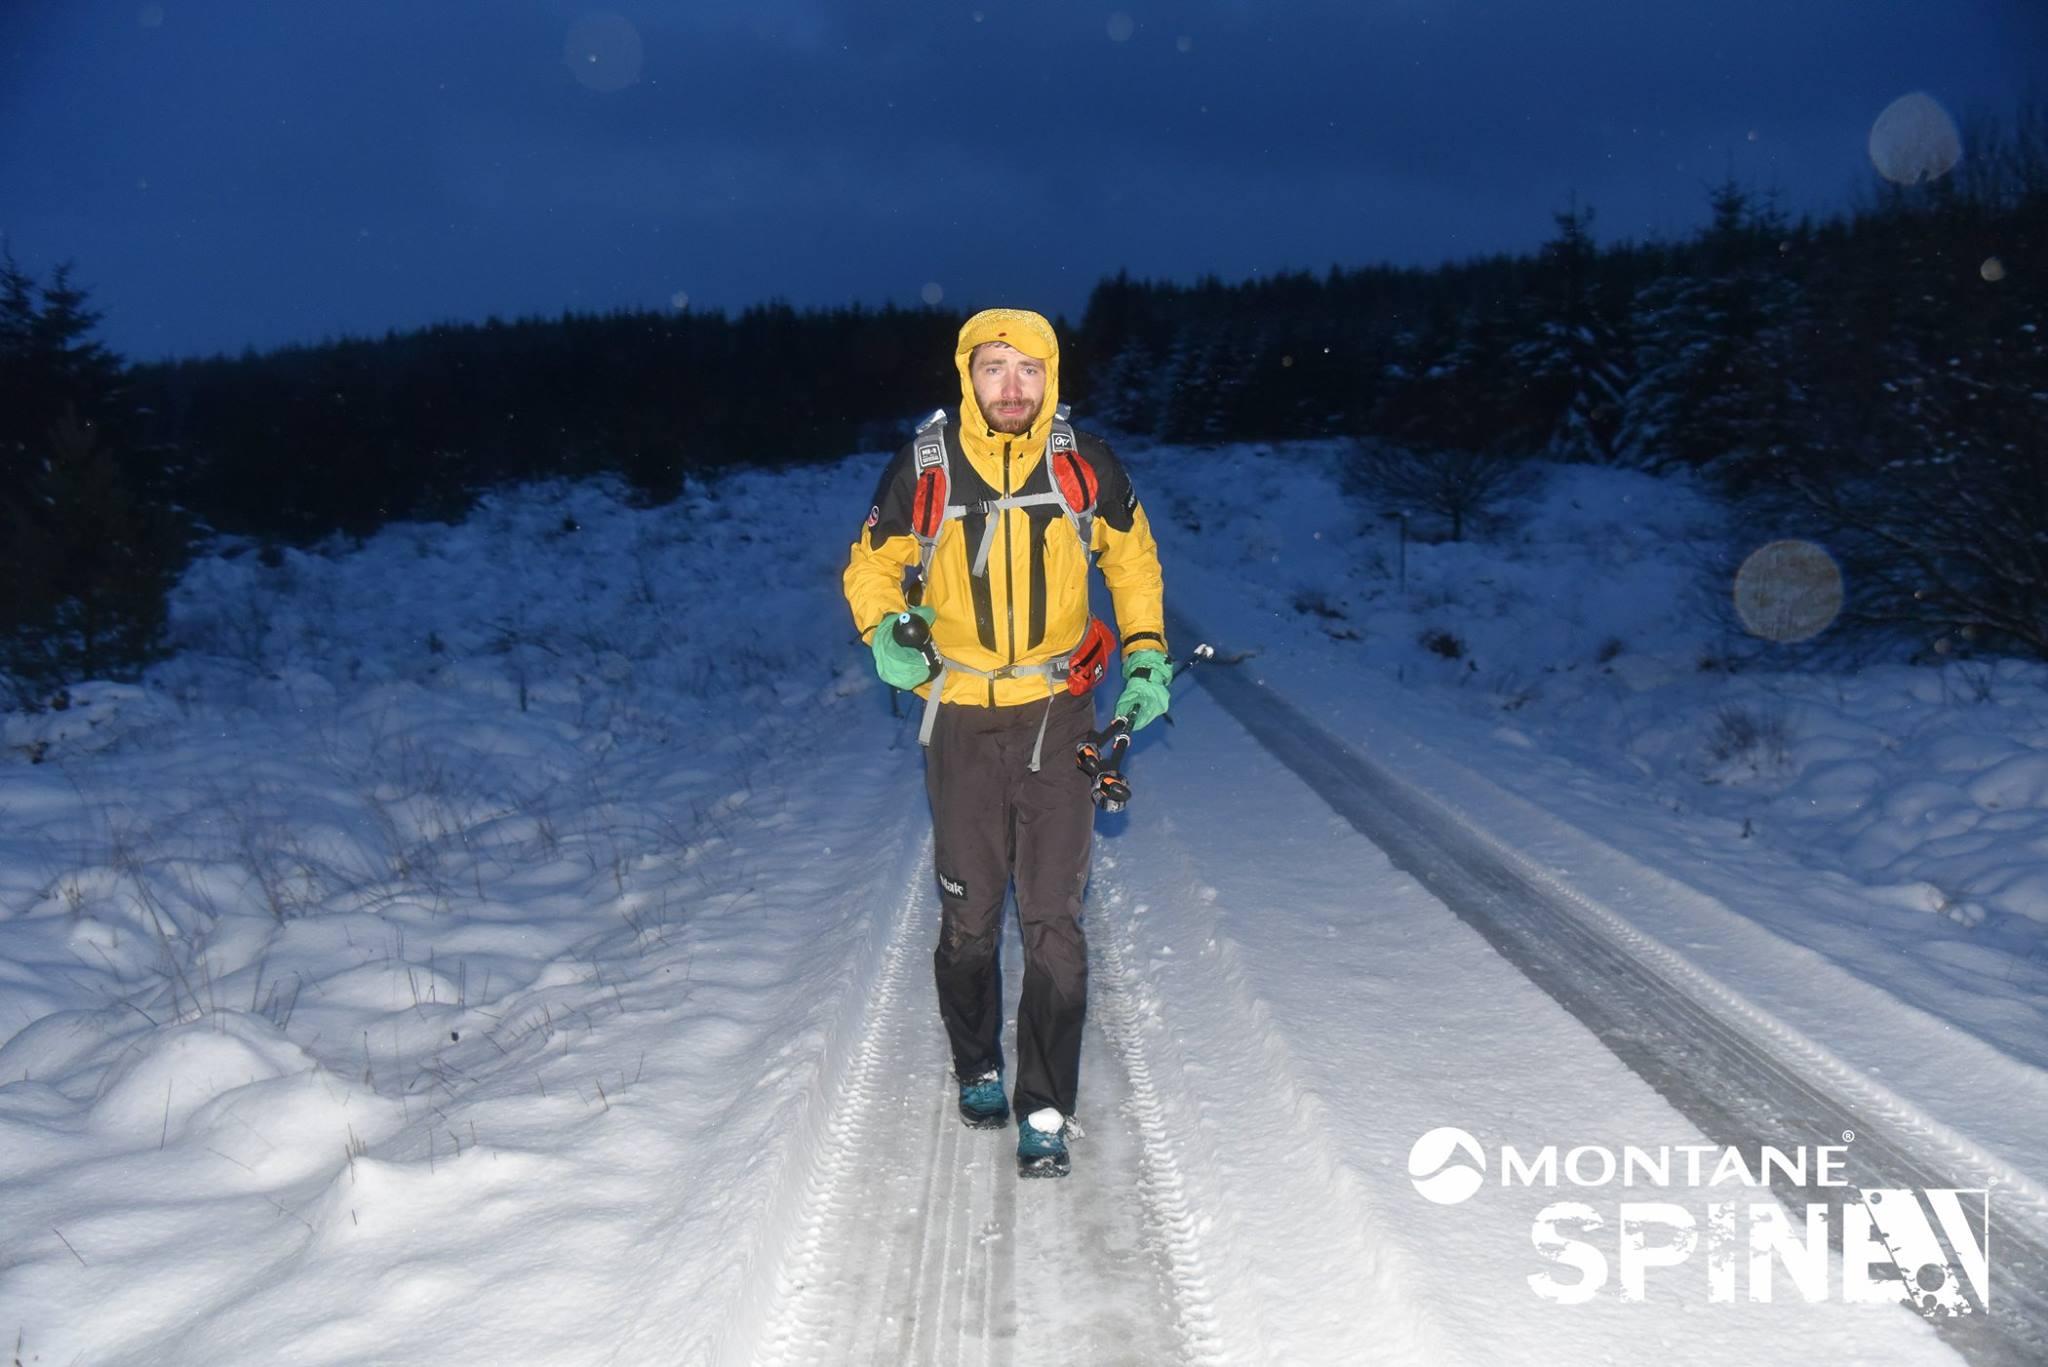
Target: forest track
1744	1080
920	1244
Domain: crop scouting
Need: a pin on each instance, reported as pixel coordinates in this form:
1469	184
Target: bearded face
1009	386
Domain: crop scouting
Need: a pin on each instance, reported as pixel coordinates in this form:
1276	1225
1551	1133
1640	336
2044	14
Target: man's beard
1016	426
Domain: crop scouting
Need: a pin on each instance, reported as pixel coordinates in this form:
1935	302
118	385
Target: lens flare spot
151	16
679	301
1184	43
1914	140
932	292
1993	269
1788	591
1121	26
603	51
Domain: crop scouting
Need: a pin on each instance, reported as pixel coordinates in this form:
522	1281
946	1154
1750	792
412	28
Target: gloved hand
1146	676
900	666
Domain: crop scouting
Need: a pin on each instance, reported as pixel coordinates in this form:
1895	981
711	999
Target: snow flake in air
1788	591
1914	140
603	51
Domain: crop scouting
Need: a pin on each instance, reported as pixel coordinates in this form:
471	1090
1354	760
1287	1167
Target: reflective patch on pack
953	886
1077	482
928	504
930	454
1062	440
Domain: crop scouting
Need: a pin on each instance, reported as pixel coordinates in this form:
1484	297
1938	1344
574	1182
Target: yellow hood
1030	334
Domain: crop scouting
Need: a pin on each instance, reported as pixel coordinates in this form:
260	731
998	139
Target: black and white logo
1436	1175
953	887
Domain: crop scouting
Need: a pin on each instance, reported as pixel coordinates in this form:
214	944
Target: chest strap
992	509
1049	670
933	454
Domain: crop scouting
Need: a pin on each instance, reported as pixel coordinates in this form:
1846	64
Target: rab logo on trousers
953	888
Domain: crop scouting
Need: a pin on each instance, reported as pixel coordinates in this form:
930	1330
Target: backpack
1074	491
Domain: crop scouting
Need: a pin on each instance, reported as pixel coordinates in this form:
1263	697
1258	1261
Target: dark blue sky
231	172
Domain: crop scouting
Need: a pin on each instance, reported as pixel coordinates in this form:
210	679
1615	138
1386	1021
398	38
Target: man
987	516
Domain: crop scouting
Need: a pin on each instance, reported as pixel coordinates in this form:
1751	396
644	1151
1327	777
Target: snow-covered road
1745	1080
1278	1010
541	973
919	1243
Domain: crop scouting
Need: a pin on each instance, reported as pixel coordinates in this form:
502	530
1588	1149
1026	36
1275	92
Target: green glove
1144	699
900	666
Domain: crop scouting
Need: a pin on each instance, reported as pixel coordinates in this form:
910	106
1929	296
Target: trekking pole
1101	754
911	630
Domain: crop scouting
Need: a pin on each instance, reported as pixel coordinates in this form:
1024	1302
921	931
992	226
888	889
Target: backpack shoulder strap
1073	479
932	467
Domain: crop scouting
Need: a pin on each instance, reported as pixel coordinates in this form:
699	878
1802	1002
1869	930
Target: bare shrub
1462	487
1758	737
1440	642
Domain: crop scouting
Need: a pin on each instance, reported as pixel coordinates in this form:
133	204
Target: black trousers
995	822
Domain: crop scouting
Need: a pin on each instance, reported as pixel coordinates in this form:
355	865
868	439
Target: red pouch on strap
1090	660
928	504
1077	481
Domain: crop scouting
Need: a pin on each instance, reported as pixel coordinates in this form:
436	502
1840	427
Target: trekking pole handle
1104	763
911	630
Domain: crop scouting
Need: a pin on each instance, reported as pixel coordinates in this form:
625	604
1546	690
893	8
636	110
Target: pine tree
1572	365
1715	375
86	560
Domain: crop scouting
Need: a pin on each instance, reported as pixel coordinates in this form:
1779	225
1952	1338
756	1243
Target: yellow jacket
1031	604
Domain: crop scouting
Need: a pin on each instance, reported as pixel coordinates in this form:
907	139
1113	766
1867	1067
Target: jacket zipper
1009	562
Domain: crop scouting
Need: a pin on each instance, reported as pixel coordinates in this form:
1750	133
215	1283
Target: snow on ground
462	945
1895	815
424	958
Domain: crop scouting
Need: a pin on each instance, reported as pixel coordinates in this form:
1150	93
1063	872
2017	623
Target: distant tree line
1878	381
1881	377
299	443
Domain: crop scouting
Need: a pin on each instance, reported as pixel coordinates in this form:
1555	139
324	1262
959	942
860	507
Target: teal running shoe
1042	1144
982	1104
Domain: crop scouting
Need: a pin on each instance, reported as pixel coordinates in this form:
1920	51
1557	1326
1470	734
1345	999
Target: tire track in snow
1738	1074
830	1273
1165	1190
1284	1214
917	1241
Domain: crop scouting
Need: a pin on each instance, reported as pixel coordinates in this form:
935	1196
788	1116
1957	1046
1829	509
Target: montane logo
1434	1167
